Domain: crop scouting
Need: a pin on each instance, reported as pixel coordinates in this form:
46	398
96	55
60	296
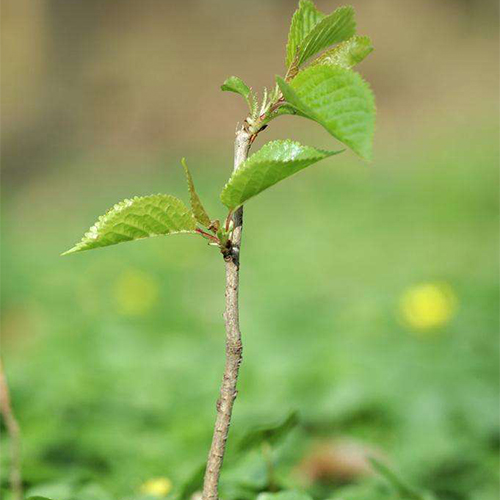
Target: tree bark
234	346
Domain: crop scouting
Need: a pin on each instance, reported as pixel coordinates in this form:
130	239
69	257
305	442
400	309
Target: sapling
319	84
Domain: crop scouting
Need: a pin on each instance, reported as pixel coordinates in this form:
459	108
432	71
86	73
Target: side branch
234	346
15	437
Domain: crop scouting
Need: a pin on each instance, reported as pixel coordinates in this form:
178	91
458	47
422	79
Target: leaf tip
70	251
281	82
365	152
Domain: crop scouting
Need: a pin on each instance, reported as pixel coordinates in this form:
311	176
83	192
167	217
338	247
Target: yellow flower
157	487
135	292
429	305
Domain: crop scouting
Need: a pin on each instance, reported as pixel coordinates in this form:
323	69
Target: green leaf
238	86
334	28
284	495
274	162
402	489
140	217
362	491
339	100
199	212
38	498
347	54
268	433
303	21
193	483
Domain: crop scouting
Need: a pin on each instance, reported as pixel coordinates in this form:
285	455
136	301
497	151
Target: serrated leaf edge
306	112
299	60
325	57
303	4
247	166
117	208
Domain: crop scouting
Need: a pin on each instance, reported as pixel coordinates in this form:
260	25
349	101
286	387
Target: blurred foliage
370	301
115	359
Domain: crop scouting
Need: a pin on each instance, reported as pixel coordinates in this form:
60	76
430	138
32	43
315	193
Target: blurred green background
369	291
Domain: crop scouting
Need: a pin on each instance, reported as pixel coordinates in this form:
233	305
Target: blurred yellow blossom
157	487
135	292
428	305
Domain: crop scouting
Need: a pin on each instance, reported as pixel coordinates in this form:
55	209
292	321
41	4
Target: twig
234	346
228	219
207	235
15	437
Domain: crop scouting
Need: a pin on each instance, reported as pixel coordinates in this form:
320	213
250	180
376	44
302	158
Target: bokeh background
369	291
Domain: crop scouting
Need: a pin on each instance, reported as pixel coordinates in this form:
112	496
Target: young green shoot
319	84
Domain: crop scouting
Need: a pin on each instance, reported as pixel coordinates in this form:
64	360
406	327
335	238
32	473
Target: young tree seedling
319	84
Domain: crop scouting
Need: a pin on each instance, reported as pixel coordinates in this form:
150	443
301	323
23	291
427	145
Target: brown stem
15	437
207	235
234	346
228	219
